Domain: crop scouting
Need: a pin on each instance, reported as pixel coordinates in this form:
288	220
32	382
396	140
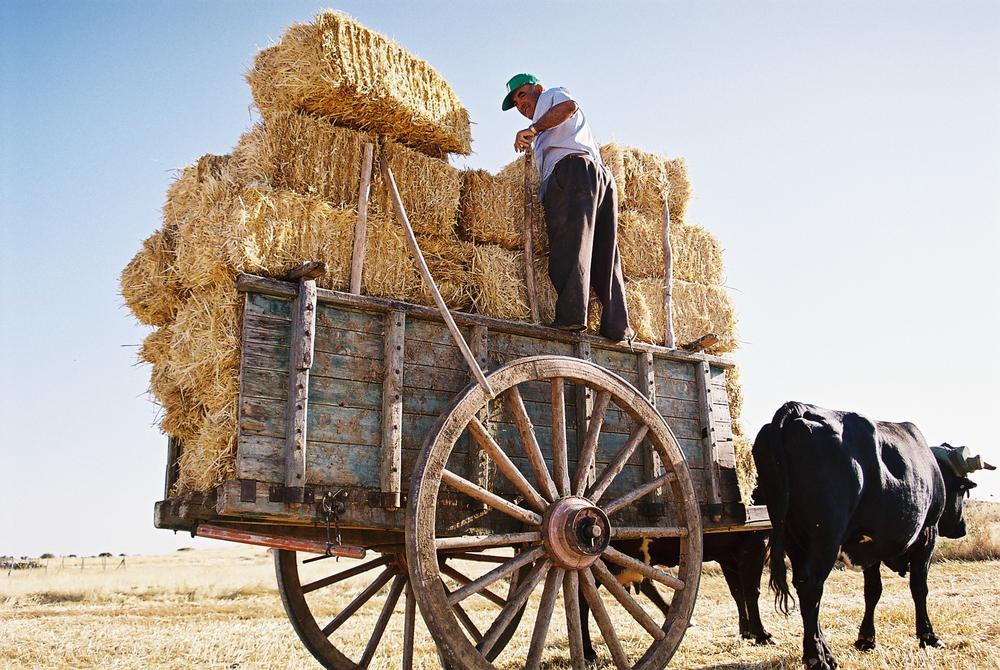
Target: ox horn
970	463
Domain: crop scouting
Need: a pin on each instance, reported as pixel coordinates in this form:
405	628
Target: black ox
740	555
837	484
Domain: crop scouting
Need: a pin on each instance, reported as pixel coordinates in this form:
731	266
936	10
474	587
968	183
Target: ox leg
919	567
809	575
732	574
751	568
648	589
873	591
588	647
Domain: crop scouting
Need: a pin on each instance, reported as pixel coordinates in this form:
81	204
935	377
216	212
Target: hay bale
491	209
204	355
430	189
697	254
335	67
297	152
209	456
698	309
264	231
312	156
646	184
391	272
734	392
496	276
149	285
679	188
746	471
613	156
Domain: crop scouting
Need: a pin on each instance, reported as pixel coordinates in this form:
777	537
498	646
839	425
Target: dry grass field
220	609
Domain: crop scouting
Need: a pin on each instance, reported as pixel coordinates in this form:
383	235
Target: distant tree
46	555
71	556
184	549
105	554
121	554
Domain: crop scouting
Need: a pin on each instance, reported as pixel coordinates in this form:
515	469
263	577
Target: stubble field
220	609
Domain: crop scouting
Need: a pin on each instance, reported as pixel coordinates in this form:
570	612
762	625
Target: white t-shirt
572	136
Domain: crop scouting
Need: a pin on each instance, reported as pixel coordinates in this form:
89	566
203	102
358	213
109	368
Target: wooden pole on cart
529	252
425	272
361	227
668	280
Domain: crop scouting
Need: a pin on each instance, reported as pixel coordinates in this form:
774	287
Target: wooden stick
585	457
617	463
493	500
643	532
668	279
604	621
560	462
499	540
493	575
361	227
358	601
530	442
529	254
639	492
514	605
464	581
409	623
398	583
543	618
303	346
571	603
390	455
643	569
505	465
625	598
411	240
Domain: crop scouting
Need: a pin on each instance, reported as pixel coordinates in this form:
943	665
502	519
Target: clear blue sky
846	154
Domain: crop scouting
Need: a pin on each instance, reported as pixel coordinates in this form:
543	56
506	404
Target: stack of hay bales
287	193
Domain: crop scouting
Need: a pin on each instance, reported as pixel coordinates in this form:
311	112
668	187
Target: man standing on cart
580	199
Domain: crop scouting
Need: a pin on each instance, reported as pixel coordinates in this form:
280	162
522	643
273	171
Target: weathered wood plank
709	436
480	468
361	225
303	334
392	409
264	330
277	288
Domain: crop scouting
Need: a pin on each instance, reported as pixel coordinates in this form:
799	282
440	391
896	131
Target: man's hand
522	141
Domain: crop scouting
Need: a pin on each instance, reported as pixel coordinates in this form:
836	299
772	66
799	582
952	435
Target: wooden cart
465	459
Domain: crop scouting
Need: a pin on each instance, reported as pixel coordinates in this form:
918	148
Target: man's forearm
556	115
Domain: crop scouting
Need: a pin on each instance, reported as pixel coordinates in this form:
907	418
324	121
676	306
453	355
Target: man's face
525	99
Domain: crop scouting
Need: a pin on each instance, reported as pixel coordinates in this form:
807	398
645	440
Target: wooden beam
425	272
529	253
702	343
651	463
584	408
174	448
710	447
249	283
391	455
307	270
301	359
668	279
361	227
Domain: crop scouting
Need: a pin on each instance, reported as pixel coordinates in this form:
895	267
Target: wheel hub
575	532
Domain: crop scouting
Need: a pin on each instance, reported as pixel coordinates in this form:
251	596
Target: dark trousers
581	217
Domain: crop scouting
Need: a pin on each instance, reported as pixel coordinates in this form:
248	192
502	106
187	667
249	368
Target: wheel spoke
505	465
654	573
635	494
643	532
409	623
464	581
493	500
530	442
589	448
467	623
345	574
479	541
617	463
603	620
383	619
481	558
543	618
574	630
625	598
496	573
515	604
560	462
358	601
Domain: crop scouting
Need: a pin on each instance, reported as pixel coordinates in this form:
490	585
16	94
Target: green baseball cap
516	82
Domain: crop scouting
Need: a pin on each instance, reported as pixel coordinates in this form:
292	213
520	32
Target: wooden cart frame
438	441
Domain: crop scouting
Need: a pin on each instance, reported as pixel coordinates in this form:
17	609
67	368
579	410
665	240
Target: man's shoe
627	338
569	327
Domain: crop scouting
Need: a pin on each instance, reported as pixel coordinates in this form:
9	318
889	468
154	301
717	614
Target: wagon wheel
568	520
321	624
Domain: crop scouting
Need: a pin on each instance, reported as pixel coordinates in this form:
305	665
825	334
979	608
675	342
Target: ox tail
772	479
